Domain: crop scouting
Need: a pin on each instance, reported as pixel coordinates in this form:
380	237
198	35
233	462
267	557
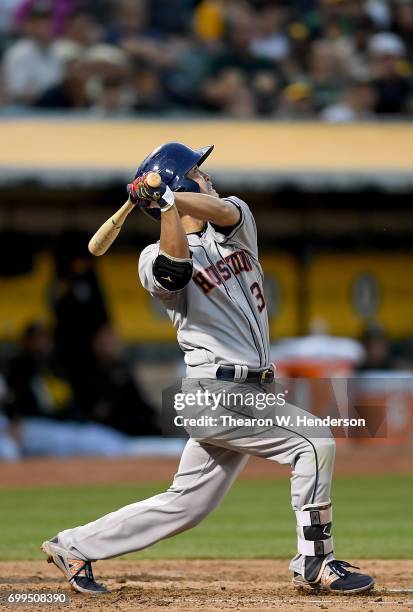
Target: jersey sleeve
243	234
147	278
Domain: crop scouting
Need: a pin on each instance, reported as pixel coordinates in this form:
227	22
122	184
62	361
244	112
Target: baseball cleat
335	578
77	571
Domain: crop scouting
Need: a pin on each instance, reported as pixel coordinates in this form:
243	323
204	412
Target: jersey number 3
257	293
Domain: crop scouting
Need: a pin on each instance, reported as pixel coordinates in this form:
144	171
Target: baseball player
205	271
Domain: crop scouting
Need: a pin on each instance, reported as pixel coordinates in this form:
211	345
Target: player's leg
312	461
314	566
204	476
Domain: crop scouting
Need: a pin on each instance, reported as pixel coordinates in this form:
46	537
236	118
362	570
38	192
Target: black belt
244	374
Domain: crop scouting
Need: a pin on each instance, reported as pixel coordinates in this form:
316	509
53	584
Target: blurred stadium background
308	104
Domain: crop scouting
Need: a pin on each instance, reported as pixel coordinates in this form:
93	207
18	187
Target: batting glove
141	193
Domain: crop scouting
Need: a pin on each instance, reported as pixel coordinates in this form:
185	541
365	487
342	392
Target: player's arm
207	208
173	240
172	267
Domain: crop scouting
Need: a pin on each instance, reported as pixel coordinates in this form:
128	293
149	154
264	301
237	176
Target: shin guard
314	541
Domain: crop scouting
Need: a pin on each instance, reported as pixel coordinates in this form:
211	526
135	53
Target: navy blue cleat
335	578
77	571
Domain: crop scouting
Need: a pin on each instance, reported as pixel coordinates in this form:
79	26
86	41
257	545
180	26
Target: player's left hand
141	193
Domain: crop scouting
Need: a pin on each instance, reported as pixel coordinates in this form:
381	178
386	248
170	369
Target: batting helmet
173	161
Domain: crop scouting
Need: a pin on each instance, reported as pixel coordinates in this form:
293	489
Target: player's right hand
141	193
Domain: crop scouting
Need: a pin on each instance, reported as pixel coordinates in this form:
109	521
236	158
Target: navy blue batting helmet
173	161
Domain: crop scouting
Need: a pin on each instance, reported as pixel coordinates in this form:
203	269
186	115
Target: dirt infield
350	460
260	585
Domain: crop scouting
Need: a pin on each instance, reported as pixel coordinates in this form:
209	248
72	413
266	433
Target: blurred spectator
357	105
71	92
403	23
377	349
109	394
114	99
229	93
228	88
108	86
237	50
391	71
386	43
30	66
44	419
80	28
270	40
147	88
379	12
265	87
79	33
130	19
132	32
78	303
296	102
37	383
230	57
106	61
59	11
328	82
209	21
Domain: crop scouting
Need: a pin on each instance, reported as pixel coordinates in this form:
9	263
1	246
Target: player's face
203	180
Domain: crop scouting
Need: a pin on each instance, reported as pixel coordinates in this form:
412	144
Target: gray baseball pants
206	472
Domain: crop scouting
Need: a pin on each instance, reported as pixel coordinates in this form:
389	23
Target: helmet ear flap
186	184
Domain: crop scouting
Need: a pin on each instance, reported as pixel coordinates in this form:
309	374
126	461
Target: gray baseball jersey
221	315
